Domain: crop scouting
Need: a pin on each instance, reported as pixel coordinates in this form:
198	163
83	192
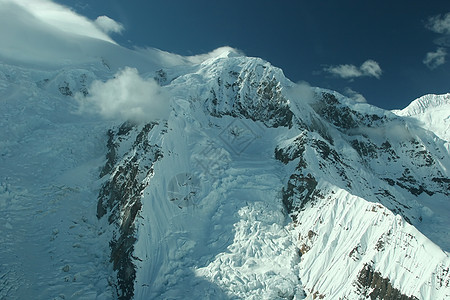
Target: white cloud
344	71
41	31
108	25
369	68
55	16
355	96
224	51
439	23
434	59
168	59
301	92
443	41
127	96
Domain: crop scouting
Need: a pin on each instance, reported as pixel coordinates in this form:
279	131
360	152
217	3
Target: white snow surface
233	240
372	235
432	112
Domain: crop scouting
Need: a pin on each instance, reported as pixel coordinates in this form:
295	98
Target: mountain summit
215	177
432	113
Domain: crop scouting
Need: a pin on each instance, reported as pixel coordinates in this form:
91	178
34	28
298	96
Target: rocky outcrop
129	171
371	284
252	91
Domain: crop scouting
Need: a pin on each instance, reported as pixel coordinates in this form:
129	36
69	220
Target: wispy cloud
127	96
434	59
439	23
369	68
108	25
301	92
168	59
224	51
55	16
344	71
46	32
355	96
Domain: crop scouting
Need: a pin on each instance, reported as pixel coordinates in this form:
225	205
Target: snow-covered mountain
251	187
141	174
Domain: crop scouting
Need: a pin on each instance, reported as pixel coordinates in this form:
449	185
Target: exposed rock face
252	90
371	284
130	171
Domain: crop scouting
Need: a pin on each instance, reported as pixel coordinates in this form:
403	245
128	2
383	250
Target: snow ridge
422	104
432	112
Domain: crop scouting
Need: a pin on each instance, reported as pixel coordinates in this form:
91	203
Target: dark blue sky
304	38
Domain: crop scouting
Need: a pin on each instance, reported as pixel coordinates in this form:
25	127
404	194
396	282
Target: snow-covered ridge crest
431	112
424	103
